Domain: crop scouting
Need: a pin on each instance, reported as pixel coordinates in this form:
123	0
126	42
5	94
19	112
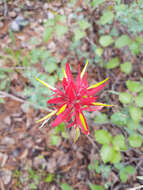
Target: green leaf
7	70
136	113
2	101
125	172
36	179
107	17
119	118
94	166
49	178
107	153
48	32
45	55
126	67
116	157
12	36
135	140
51	80
131	124
61	18
135	48
25	61
96	3
101	118
3	84
34	55
2	75
114	32
50	67
48	58
119	143
139	39
113	63
61	30
130	169
95	187
103	136
59	128
134	86
105	170
123	176
65	134
119	166
65	186
83	24
106	40
54	139
99	51
123	41
33	186
139	100
78	34
34	41
125	97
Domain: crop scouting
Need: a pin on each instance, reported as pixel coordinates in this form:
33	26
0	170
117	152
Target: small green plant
52	74
130	16
95	187
57	133
126	67
130	116
54	140
111	146
106	40
65	186
49	178
5	79
122	41
34	178
133	99
55	25
125	171
106	18
96	3
113	63
17	174
12	37
101	118
100	168
79	31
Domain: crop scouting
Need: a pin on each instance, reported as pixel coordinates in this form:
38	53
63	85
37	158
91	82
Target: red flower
74	98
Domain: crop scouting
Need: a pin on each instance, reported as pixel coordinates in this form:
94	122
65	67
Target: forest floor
28	160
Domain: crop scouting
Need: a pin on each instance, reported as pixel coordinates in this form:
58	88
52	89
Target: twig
118	187
115	82
133	160
113	92
2	185
5	94
92	141
12	68
44	123
5	7
135	188
90	41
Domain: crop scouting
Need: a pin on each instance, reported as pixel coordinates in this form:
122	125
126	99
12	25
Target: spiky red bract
73	98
